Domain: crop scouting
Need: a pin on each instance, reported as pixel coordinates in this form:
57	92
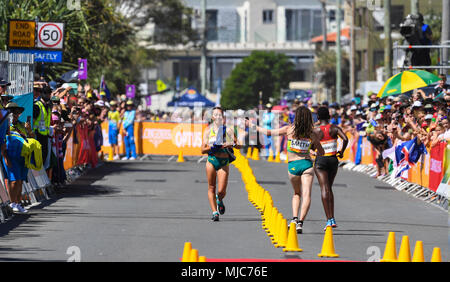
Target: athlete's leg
306	185
296	182
331	175
222	181
211	176
322	177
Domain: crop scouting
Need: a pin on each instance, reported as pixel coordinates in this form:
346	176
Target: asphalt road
147	210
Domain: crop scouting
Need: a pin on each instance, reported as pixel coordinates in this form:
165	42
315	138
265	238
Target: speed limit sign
50	35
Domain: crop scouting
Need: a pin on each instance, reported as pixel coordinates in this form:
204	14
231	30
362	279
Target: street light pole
338	54
203	50
387	39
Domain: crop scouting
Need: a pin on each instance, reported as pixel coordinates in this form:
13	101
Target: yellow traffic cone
292	240
276	234
328	244
255	154
418	252
180	157
187	252
277	158
111	153
270	158
194	255
275	227
282	237
404	254
390	251
286	160
202	259
249	152
436	255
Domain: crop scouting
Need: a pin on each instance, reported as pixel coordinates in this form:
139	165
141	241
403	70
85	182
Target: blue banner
43	56
25	101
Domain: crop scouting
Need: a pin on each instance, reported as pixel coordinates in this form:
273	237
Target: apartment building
235	28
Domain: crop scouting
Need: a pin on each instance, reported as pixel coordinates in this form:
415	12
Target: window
303	24
211	25
268	16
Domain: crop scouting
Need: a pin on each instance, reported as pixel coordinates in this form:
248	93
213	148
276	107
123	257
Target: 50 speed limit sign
50	35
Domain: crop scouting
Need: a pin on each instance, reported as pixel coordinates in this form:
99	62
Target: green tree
325	63
267	72
103	33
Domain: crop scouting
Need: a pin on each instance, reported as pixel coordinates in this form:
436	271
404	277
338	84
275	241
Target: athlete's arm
344	138
277	132
316	143
205	146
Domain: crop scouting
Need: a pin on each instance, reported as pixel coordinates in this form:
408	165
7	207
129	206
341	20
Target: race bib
330	147
300	146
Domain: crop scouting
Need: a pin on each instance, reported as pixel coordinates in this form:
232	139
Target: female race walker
301	139
326	166
218	142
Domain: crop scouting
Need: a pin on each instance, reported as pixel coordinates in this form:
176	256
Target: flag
160	86
406	155
104	87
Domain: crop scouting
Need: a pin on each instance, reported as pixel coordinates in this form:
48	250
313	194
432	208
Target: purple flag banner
82	69
131	91
149	100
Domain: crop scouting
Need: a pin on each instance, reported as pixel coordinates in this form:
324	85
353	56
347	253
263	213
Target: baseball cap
4	82
353	108
429	116
417	104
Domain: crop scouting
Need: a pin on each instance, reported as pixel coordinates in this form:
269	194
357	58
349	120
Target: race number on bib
330	147
300	145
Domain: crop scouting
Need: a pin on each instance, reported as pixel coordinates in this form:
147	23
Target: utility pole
324	25
203	50
338	53
387	39
352	50
445	33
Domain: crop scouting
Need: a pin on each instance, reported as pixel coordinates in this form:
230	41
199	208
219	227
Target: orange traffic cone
328	245
282	237
390	251
404	254
187	252
255	154
276	229
292	240
180	157
194	256
436	255
277	158
270	158
418	252
249	152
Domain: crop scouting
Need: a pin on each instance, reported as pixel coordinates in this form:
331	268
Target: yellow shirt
114	116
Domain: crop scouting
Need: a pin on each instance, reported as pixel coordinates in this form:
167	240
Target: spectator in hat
5	98
128	127
267	121
16	171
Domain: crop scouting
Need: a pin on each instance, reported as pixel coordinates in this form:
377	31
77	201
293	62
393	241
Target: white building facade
235	28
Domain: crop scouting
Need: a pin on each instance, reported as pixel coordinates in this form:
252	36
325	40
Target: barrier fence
428	178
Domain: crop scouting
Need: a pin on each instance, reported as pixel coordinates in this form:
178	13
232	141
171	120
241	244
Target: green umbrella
407	81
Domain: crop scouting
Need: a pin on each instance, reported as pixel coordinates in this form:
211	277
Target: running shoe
215	216
19	209
220	205
298	225
132	159
333	223
329	223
